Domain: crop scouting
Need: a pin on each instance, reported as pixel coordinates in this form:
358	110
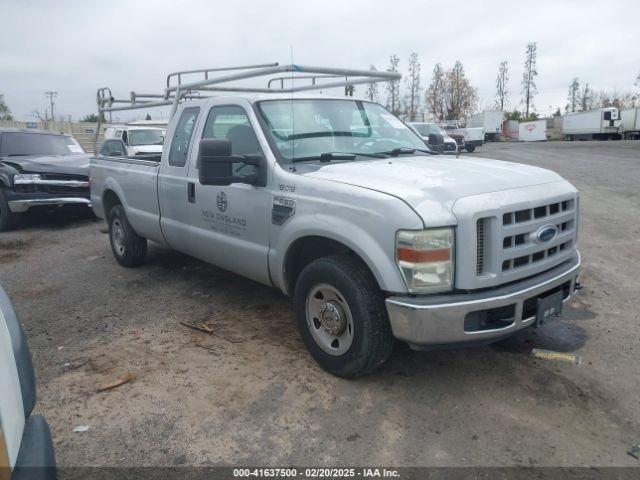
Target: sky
74	47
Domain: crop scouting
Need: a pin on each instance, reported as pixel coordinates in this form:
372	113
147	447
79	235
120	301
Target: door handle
191	192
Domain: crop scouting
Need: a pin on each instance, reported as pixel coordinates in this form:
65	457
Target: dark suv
40	169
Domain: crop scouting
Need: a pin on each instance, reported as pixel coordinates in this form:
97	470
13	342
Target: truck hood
66	164
432	184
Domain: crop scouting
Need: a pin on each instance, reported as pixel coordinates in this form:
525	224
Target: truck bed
135	183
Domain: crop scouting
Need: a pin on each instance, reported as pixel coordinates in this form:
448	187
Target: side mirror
436	142
215	164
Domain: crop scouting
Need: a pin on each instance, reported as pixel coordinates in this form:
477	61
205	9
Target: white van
128	140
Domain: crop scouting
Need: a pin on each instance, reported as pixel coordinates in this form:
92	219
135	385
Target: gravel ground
250	394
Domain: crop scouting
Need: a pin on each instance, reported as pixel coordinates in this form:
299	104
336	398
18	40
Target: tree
585	98
413	87
372	88
434	95
459	96
43	117
148	117
393	87
574	94
5	113
92	118
502	90
529	88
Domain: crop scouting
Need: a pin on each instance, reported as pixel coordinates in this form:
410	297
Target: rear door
230	224
172	179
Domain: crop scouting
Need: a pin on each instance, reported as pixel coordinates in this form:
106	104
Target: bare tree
413	87
5	113
459	95
585	98
393	87
372	88
42	117
434	95
502	90
529	88
574	93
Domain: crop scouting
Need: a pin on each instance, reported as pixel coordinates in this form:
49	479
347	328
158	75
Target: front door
230	224
172	181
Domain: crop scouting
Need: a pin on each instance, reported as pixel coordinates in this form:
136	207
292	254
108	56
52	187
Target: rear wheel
7	217
342	317
128	247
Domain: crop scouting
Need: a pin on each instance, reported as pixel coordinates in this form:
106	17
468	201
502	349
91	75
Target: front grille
519	248
449	147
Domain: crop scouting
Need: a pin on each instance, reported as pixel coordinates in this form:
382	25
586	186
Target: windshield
16	144
146	137
302	128
425	129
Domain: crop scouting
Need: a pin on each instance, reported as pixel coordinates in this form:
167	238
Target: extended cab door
230	224
172	179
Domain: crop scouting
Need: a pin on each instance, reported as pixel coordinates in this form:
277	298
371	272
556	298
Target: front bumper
473	143
482	317
22	205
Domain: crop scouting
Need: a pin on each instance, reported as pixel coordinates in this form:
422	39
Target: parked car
40	169
131	141
424	129
336	202
26	447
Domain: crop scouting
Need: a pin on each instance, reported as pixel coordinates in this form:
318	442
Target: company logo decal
222	202
546	234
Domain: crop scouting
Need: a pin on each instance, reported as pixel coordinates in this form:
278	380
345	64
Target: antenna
293	115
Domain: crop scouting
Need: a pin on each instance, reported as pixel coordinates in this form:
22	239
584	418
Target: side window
112	148
607	115
182	137
231	122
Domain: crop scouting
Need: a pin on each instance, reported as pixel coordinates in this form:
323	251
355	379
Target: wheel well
109	200
307	249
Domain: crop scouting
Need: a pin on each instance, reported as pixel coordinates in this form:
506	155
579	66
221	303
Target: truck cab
340	205
131	141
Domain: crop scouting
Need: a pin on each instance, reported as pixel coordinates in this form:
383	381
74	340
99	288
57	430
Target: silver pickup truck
337	203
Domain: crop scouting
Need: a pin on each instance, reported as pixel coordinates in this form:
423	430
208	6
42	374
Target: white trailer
490	120
533	131
601	124
630	123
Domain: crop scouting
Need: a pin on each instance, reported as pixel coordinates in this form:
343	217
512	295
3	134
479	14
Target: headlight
425	258
22	178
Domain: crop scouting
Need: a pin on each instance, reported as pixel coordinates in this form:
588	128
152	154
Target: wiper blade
370	155
325	157
406	151
18	155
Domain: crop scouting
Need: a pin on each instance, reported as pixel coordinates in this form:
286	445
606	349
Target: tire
470	149
127	246
7	217
366	340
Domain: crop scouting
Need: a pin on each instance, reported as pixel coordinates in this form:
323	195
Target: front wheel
7	217
470	149
342	317
128	247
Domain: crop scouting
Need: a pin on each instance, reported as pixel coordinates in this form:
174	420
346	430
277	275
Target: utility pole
51	96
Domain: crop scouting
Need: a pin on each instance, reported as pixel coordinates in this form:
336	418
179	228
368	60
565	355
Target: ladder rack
191	84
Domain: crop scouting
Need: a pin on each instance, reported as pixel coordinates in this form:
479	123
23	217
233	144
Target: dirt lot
250	394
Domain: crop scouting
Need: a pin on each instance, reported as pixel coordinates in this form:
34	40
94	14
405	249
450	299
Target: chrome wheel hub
117	234
329	319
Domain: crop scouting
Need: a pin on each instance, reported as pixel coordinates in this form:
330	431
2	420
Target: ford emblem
546	233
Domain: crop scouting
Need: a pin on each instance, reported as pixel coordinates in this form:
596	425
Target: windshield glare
146	137
425	129
18	144
303	128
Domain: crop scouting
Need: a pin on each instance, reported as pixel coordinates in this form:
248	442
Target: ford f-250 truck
337	203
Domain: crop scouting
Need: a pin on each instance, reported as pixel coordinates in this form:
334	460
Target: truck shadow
54	219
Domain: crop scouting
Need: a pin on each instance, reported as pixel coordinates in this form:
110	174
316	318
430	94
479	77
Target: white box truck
601	124
630	123
490	120
533	131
